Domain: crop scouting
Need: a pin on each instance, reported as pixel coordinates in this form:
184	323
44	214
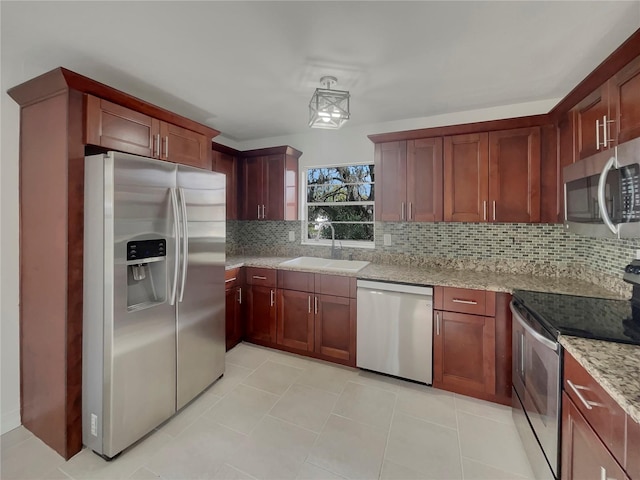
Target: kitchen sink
351	266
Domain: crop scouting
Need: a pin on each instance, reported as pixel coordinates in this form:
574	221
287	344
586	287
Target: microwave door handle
602	182
544	341
176	242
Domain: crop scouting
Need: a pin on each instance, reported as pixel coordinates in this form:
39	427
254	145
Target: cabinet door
118	128
185	147
466	183
295	319
464	358
261	313
592	109
424	180
233	316
583	454
625	99
227	164
252	188
390	165
273	197
514	175
566	154
335	326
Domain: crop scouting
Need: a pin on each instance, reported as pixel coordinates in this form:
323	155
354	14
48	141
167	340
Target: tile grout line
386	443
455	403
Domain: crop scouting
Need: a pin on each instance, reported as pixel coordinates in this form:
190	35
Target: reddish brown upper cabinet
409	179
115	127
269	184
493	177
472	343
227	163
611	114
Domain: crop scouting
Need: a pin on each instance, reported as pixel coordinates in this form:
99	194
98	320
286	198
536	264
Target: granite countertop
615	366
432	276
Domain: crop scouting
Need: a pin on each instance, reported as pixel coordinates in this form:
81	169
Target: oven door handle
545	341
602	182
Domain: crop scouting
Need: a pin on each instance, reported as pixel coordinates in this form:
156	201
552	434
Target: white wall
9	324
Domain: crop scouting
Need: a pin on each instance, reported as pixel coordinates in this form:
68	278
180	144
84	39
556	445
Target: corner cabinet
261	305
409	174
472	343
225	160
115	127
233	289
269	184
492	177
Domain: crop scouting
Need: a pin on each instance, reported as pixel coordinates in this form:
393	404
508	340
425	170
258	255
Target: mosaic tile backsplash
541	249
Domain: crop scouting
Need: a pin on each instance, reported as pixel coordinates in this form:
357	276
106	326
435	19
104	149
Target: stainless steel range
538	320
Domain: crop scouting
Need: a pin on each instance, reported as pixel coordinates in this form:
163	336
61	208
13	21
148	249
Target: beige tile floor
280	416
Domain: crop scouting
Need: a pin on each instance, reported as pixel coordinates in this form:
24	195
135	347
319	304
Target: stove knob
628	269
636	270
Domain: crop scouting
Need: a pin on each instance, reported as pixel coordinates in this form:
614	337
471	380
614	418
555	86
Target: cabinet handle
315	301
410	210
240	295
259	277
230	280
309	302
156	146
258	216
437	324
494	210
466	302
607	131
263	212
576	389
166	147
272	298
597	134
484	210
402	209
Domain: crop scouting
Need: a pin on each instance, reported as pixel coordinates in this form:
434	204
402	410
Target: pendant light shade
328	108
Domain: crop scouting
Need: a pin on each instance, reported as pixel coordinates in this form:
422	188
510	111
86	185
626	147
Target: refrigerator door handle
185	243
176	235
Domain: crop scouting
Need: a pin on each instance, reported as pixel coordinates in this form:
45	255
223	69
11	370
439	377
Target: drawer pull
466	302
240	295
272	297
230	280
259	277
576	389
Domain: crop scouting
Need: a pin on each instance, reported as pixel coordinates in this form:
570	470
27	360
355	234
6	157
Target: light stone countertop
615	366
435	276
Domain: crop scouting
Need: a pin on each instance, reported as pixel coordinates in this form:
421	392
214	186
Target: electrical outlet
94	425
292	236
387	239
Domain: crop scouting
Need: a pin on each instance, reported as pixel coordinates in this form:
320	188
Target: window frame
366	244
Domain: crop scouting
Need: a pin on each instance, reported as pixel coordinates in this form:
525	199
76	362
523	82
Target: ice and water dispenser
146	273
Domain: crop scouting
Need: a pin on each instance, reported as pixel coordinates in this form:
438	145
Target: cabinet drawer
603	414
336	285
265	277
464	300
231	278
300	281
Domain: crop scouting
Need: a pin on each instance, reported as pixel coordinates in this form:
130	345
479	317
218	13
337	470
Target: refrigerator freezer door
129	375
201	305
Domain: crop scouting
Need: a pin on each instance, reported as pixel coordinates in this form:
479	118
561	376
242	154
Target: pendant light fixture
328	108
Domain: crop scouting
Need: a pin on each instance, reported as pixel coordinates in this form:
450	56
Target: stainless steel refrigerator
154	302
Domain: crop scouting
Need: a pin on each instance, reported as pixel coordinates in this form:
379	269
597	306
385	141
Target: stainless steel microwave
602	193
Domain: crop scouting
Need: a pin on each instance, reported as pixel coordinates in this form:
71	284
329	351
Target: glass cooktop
588	317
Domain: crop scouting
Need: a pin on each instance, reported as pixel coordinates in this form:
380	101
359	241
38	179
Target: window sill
339	244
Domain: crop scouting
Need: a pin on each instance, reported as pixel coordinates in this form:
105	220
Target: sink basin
350	266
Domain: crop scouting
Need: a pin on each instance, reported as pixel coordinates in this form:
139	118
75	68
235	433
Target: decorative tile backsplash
540	249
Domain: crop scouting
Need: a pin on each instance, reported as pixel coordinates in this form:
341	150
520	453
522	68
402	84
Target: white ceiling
249	68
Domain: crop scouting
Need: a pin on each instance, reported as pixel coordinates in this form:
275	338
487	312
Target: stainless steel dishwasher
395	329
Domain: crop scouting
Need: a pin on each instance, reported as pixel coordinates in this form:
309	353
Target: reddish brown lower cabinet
336	328
472	343
584	456
261	313
464	352
233	307
295	320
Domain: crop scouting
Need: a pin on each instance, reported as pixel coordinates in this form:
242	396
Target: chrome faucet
333	236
